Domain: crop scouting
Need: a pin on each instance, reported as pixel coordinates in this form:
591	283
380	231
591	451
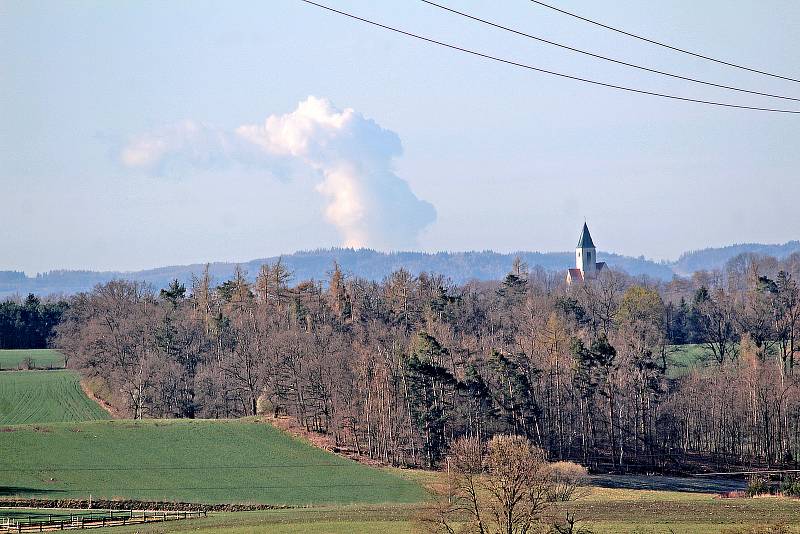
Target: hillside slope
44	397
219	461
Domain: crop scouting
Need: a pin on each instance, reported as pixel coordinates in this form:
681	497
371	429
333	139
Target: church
586	266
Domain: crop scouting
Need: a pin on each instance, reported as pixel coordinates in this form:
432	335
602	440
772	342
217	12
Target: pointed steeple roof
586	238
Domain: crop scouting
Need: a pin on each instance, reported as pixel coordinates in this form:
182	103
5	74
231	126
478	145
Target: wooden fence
48	522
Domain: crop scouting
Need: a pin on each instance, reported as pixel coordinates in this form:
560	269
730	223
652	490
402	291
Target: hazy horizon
601	251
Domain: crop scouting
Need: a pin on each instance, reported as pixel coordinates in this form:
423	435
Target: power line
675	48
605	58
545	71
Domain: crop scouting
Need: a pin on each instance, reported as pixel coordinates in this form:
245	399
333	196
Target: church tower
586	264
586	254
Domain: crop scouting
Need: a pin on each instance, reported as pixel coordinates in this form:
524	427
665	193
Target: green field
681	359
396	519
68	449
604	511
44	397
40	358
216	461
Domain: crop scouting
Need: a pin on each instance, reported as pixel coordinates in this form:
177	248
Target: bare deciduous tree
503	487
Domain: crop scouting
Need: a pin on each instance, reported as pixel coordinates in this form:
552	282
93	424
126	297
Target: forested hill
715	258
458	266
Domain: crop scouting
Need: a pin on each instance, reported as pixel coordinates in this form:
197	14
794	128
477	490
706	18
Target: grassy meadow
396	519
44	397
187	460
603	511
40	358
681	359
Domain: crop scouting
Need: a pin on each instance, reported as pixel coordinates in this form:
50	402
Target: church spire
586	264
586	238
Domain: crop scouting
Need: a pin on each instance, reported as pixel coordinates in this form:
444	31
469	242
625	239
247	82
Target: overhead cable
546	71
605	58
658	43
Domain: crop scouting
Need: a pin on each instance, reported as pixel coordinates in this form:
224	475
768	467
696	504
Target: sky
140	134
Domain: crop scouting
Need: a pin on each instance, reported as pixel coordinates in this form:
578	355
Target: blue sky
484	156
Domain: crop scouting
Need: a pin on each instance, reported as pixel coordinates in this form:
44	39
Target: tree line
398	370
29	324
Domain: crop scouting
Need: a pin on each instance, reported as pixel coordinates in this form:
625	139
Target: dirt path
321	441
103	404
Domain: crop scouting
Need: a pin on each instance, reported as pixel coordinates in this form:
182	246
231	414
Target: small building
586	264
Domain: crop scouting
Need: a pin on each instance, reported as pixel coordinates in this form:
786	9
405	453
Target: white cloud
187	141
368	204
314	122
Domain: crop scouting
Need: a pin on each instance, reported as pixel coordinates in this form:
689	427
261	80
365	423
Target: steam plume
367	202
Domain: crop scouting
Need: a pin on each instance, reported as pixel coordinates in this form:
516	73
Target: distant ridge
716	258
458	266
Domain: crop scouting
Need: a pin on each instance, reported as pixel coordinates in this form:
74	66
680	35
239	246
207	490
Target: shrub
790	487
27	363
568	481
757	485
264	405
100	389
